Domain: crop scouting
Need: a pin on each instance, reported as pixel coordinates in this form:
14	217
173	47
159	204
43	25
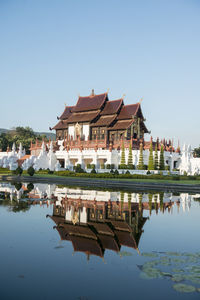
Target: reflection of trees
19	206
14	205
18	185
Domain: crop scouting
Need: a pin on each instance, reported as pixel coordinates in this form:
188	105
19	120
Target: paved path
107	184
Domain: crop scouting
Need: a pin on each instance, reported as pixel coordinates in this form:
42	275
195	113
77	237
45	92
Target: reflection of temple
42	193
94	226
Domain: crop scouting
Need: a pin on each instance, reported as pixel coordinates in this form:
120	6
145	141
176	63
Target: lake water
59	242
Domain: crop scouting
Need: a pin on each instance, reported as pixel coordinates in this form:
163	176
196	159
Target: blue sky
51	51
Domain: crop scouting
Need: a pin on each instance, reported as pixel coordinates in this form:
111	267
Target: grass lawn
162	181
197	182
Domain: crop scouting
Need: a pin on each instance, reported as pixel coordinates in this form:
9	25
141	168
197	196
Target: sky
52	51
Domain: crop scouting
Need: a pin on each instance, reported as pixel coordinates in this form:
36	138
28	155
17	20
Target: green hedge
127	175
5	170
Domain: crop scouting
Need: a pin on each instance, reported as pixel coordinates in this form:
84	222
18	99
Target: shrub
127	172
175	178
19	171
148	172
156	158
123	155
130	166
93	166
89	166
93	171
192	177
122	166
130	155
116	172
162	160
108	166
112	166
141	162
31	171
151	162
78	169
167	168
50	172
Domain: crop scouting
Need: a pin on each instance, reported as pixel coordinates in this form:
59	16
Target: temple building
95	117
102	134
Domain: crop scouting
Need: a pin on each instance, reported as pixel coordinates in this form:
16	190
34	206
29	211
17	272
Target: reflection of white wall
83	215
86	131
71	131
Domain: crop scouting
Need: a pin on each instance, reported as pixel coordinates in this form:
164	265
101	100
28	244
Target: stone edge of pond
102	184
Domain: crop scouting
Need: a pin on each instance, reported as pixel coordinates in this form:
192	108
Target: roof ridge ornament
92	93
123	96
141	99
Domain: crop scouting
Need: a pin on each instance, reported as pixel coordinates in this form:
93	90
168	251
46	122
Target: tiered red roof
83	117
112	107
128	111
60	125
122	124
99	111
67	112
92	102
104	121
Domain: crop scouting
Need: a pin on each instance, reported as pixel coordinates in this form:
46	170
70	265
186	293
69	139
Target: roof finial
107	91
141	99
123	96
92	94
65	104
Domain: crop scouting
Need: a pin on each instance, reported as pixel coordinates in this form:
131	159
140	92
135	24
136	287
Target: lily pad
151	273
195	269
149	254
166	274
177	278
184	288
174	253
178	270
178	260
193	278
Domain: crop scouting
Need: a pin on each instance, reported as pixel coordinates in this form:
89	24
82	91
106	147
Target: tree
196	152
150	202
161	201
141	162
162	160
31	171
130	157
3	142
123	161
156	158
151	162
23	135
19	171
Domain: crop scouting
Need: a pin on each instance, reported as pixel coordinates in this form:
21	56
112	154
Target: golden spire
141	99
